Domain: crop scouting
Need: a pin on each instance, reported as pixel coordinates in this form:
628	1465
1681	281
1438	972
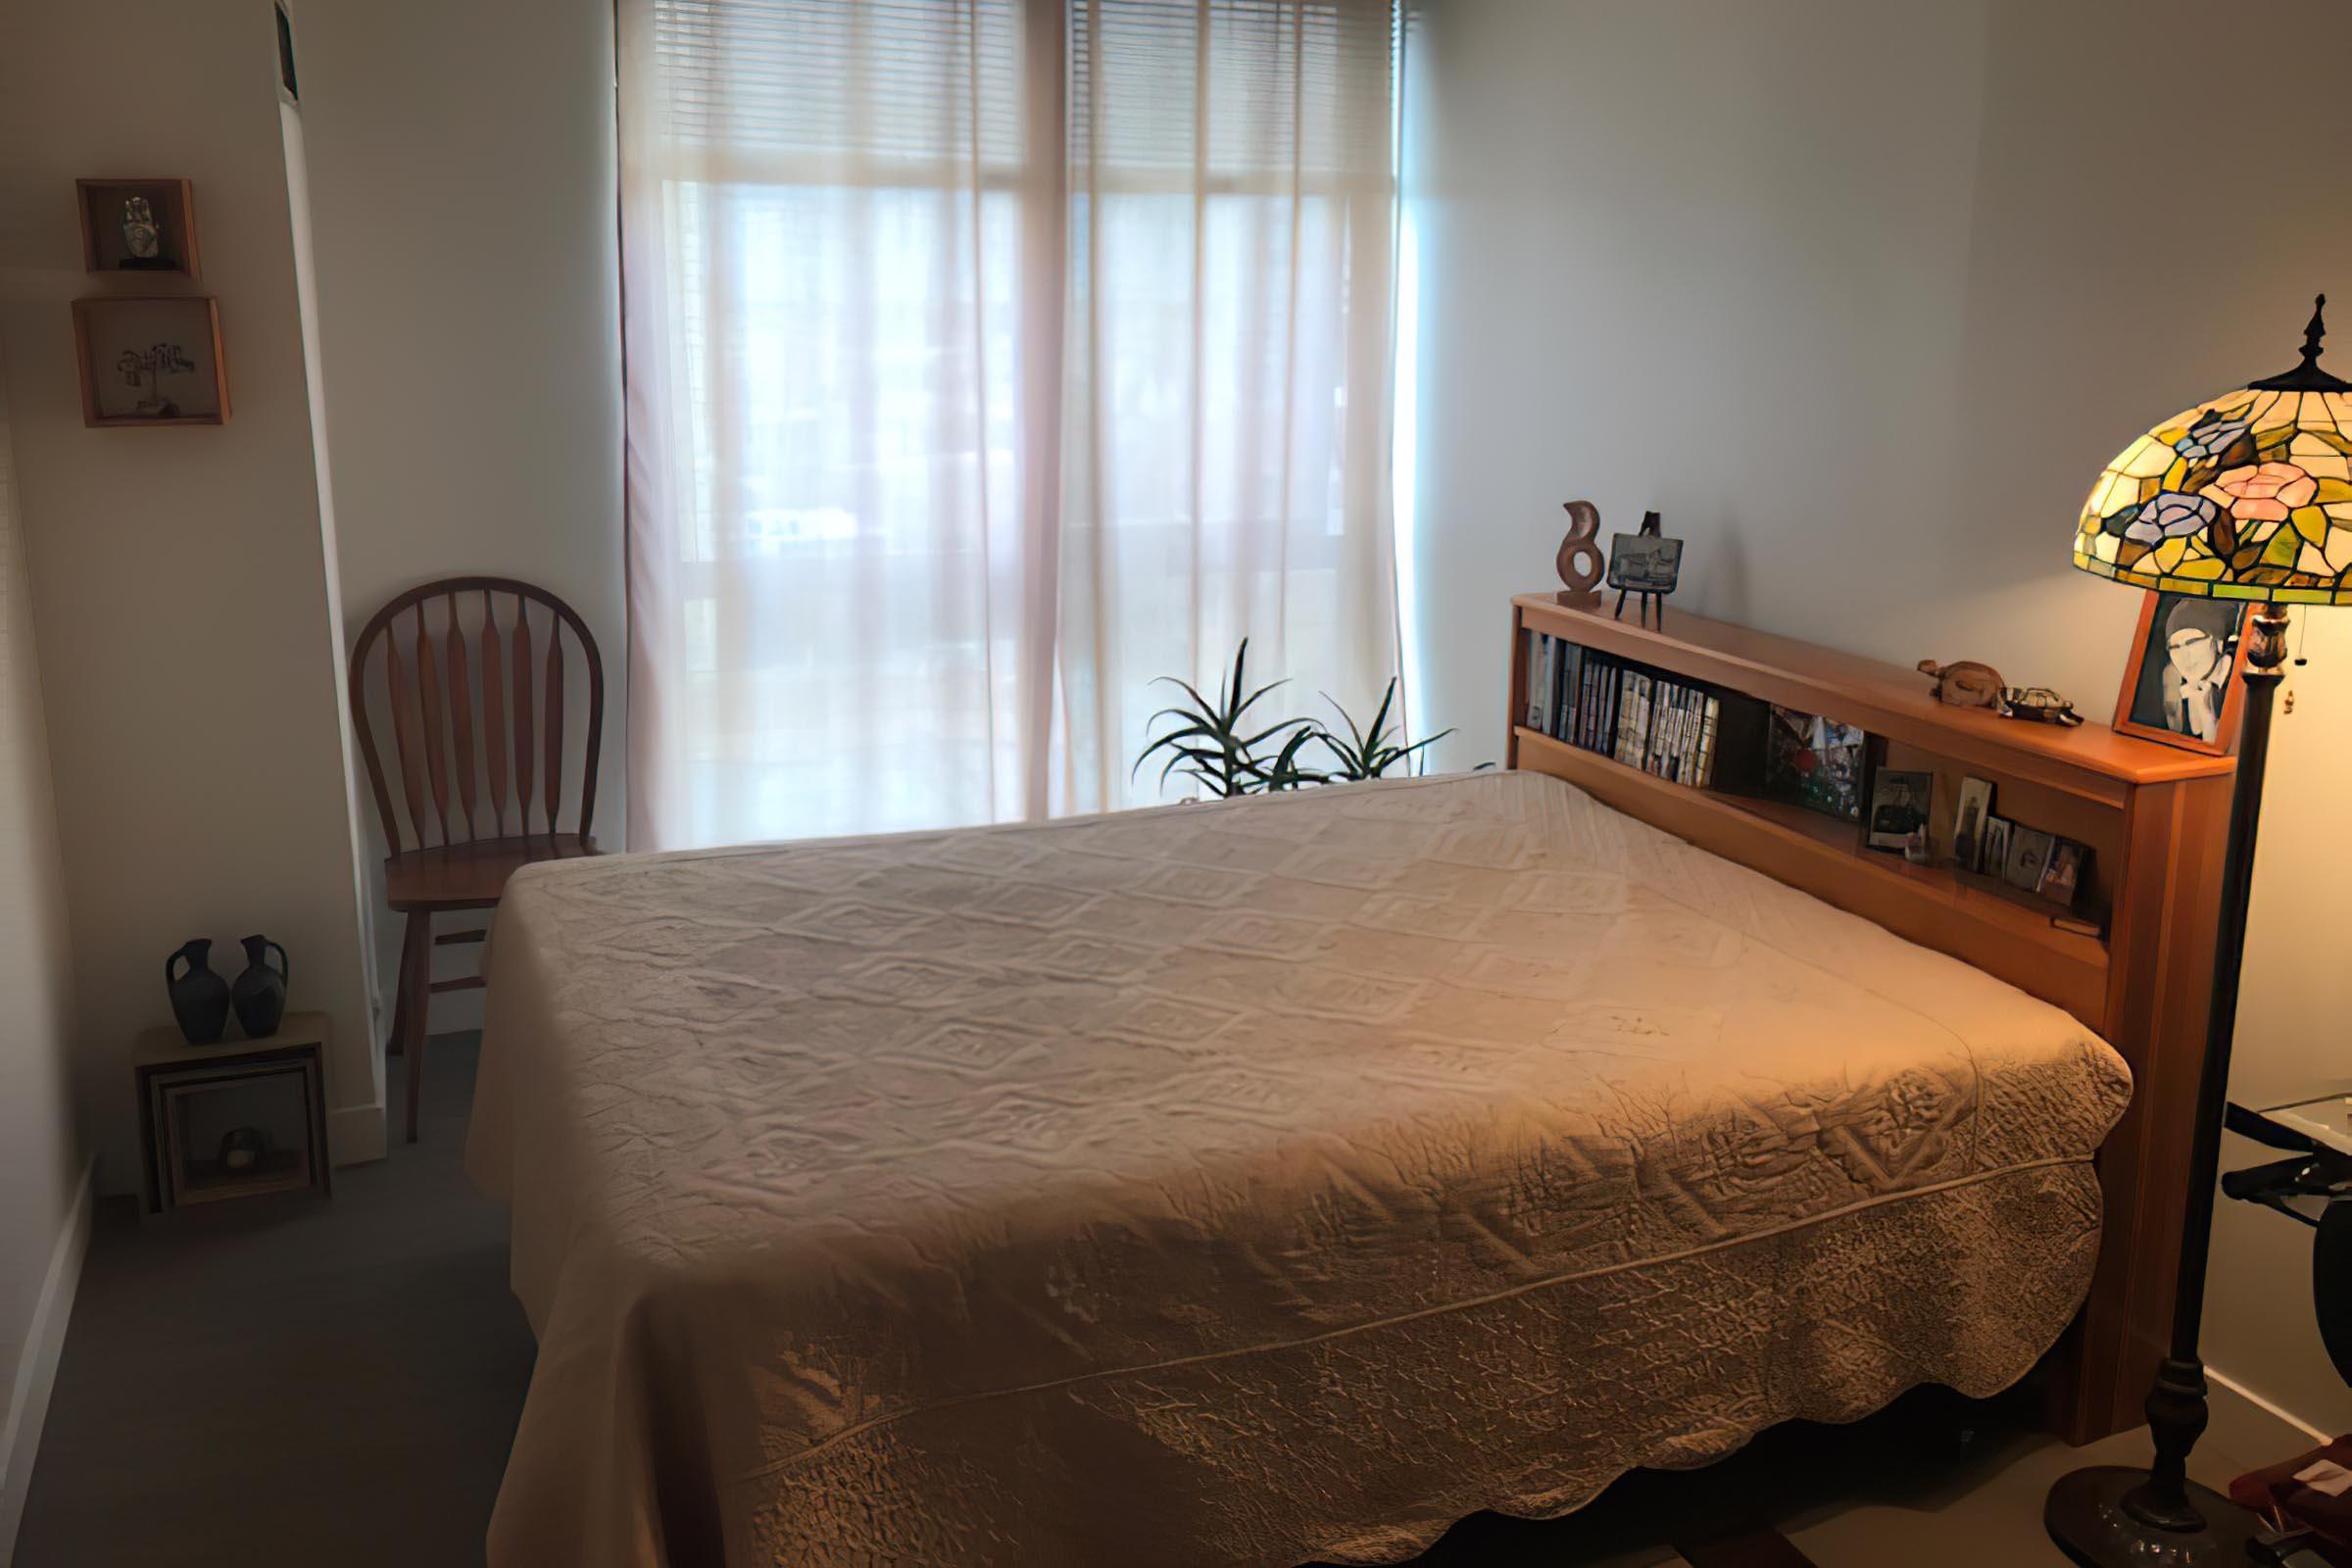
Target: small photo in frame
2028	855
1969	823
2180	684
2063	874
1899	803
1645	563
150	361
1994	856
1814	763
138	225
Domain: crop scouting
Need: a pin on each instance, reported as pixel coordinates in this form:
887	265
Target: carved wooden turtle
1965	684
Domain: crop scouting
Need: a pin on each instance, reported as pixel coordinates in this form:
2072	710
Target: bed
1255	1182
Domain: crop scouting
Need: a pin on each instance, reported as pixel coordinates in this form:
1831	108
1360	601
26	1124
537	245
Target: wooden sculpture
1579	562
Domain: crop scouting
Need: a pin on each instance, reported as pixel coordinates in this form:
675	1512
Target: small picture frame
2180	684
1969	822
1815	762
1899	806
2028	855
1645	563
138	225
1994	860
2064	873
149	359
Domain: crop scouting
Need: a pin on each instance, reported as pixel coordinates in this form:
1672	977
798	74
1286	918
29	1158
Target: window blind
1283	86
1297	86
863	82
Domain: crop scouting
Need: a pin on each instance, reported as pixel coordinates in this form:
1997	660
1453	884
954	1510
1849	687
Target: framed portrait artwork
2028	856
1899	803
2180	684
1968	824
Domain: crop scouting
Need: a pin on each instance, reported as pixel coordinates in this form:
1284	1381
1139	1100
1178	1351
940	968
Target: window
986	361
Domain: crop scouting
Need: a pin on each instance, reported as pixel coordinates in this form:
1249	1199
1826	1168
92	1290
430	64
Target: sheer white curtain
986	358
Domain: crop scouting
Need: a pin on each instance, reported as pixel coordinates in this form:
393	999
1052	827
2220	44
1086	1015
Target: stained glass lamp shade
2247	497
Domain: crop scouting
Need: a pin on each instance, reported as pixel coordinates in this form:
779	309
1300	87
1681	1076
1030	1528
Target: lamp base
2087	1518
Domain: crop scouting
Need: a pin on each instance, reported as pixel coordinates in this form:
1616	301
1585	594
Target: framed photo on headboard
2180	684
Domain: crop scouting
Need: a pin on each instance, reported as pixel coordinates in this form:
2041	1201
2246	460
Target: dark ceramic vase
261	991
199	996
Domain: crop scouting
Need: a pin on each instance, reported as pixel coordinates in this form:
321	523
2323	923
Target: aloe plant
1368	751
1208	743
1284	772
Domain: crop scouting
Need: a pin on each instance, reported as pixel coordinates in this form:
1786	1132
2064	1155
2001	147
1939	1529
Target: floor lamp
2246	498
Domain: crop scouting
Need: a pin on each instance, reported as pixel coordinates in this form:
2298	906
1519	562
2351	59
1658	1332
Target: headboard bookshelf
2132	963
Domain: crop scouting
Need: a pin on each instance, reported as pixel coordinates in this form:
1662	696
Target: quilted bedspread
1243	1183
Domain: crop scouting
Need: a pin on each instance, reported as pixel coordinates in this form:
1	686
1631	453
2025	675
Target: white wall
1861	297
41	1146
463	196
178	579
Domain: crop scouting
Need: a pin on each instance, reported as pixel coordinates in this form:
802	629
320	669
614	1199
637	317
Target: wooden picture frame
111	329
2148	704
1901	802
104	249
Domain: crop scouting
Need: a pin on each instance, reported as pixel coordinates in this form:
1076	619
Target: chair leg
398	1041
416	988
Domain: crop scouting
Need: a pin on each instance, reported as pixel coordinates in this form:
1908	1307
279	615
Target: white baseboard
2249	1427
37	1367
356	1134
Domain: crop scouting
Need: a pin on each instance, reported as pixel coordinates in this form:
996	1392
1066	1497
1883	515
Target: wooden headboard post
2153	815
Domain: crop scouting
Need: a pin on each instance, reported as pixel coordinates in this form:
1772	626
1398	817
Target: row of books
1604	704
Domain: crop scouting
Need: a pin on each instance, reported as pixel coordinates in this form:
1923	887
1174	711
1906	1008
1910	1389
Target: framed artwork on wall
150	361
2180	684
138	225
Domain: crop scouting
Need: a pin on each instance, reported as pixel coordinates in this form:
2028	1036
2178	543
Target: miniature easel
1653	525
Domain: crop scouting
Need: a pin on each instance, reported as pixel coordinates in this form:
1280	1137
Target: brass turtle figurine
2038	704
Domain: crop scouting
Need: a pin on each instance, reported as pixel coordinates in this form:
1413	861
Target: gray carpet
283	1380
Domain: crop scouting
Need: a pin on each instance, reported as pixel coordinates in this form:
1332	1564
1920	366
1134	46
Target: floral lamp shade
2247	497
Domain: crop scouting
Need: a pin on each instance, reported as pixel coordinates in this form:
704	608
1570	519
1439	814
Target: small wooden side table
191	1096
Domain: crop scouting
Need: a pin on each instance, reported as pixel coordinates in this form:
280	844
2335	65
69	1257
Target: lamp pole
2109	1516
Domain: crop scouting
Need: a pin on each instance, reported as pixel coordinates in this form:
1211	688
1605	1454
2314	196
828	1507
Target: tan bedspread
1244	1183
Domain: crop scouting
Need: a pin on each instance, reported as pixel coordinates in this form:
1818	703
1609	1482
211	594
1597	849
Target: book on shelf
1662	724
1530	683
1563	688
1541	690
1647	720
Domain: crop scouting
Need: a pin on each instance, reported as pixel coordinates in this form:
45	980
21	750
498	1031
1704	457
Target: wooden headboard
2153	816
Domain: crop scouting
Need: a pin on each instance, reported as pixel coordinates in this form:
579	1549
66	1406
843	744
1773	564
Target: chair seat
471	876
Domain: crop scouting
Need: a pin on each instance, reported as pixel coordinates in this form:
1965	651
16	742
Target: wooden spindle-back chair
480	786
